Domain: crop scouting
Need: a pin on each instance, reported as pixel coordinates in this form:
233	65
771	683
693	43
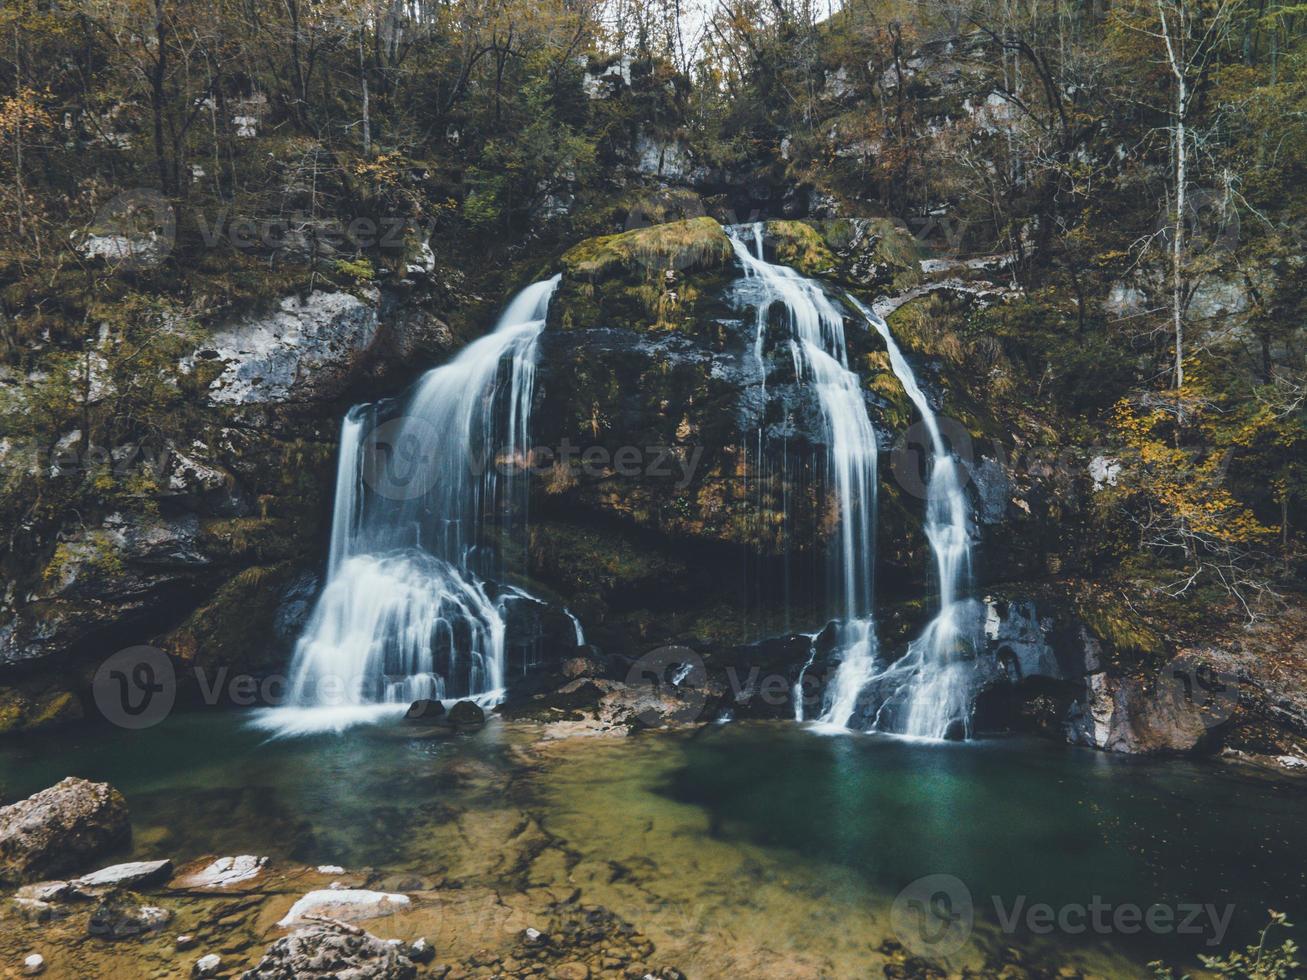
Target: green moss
801	247
97	554
594	567
1115	623
235	627
892	246
59	708
13	710
664	277
695	244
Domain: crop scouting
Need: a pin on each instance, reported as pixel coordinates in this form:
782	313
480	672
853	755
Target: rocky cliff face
654	514
203	557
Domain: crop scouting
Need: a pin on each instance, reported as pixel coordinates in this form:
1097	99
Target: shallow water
766	850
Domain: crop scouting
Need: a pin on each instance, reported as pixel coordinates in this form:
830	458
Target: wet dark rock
294	608
60	829
422	952
467	715
332	949
426	711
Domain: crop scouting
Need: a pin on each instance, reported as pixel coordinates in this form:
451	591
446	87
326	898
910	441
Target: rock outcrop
1183	708
332	949
60	829
307	351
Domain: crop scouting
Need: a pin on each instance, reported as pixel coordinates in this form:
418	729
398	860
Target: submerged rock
127	875
121	916
332	949
345	904
421	951
60	829
224	872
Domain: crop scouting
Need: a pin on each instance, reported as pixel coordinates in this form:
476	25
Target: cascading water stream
817	347
349	485
930	684
405	612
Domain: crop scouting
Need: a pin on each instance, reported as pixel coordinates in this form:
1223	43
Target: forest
918	386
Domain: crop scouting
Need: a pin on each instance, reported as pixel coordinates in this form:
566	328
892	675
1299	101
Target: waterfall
349	485
930	684
576	627
406	612
817	347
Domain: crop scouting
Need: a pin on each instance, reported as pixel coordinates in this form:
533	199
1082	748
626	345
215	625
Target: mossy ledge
800	246
696	244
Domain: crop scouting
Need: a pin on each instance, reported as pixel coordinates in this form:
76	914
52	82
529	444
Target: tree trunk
367	118
157	96
1180	162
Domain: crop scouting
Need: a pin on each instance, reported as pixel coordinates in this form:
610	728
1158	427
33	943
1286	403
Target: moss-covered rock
662	278
872	252
32	709
802	247
1132	642
695	244
235	627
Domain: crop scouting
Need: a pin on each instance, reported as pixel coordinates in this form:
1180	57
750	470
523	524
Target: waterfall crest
406	612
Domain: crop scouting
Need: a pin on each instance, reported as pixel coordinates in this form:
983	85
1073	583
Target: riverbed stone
60	829
128	875
332	949
345	904
32	910
421	951
122	915
48	891
222	873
